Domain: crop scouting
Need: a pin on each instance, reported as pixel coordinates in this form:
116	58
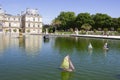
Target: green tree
118	29
115	23
86	26
66	20
46	26
56	23
83	18
119	22
102	21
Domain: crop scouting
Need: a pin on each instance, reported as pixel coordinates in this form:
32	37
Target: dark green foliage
14	30
83	18
86	26
102	21
66	20
118	30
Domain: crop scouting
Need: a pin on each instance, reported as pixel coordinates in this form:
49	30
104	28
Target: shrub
71	29
118	29
15	30
83	32
94	30
105	29
28	30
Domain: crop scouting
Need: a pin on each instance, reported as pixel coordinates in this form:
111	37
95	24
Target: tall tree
115	23
56	24
102	21
83	18
119	22
66	19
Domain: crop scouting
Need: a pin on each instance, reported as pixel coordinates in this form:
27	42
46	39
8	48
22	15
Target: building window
38	25
28	24
19	19
9	24
36	19
33	25
33	19
8	18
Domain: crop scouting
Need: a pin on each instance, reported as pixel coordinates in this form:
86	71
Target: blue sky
49	9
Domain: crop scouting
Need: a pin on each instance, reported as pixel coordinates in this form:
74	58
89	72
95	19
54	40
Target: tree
86	26
66	20
115	23
56	23
102	21
119	22
83	18
118	29
46	26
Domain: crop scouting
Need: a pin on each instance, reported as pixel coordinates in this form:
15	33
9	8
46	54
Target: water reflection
31	44
21	42
90	51
1	43
105	52
6	41
69	45
64	45
19	67
46	40
66	75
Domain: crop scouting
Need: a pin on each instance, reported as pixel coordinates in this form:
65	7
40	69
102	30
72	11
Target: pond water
33	58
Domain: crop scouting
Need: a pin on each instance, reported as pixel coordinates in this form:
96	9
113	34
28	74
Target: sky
50	9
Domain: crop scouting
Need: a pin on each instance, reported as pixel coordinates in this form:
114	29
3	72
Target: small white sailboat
90	46
67	64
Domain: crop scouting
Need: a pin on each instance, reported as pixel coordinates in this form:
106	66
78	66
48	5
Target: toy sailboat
90	46
106	46
67	64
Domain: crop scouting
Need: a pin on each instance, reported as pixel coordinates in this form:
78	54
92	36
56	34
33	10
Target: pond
33	58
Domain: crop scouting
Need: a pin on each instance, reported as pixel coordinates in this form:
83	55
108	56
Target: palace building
29	21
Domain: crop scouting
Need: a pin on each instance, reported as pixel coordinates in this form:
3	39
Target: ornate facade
31	21
28	22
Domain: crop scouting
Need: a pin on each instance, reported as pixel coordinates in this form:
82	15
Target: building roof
31	12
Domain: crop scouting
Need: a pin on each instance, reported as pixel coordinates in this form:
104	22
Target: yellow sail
65	64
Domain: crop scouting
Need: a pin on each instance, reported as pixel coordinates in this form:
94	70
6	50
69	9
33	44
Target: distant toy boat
90	46
46	37
106	46
67	64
